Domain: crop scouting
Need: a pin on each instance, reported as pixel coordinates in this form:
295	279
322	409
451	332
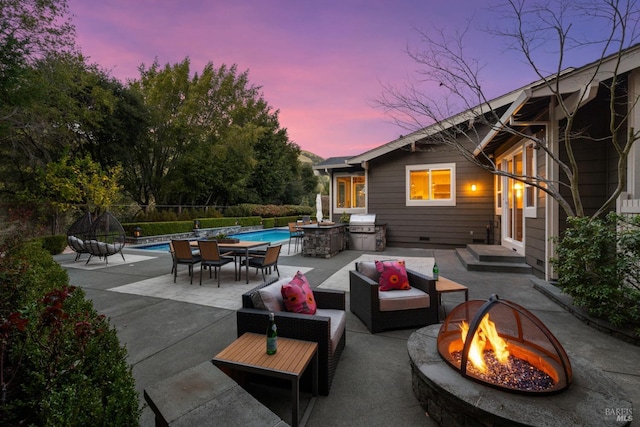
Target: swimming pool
272	235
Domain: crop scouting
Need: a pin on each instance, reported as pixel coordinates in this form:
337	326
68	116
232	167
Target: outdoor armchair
327	327
101	237
78	233
407	311
107	237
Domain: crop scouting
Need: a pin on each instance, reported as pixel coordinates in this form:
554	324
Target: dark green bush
54	244
168	215
62	363
268	222
598	261
267	211
284	221
159	228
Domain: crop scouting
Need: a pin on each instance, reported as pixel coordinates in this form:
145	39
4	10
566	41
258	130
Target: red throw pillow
298	296
393	275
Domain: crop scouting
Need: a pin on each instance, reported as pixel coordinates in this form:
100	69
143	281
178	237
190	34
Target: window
529	190
519	162
350	192
431	185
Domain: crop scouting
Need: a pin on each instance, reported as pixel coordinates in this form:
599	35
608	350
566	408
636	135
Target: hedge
171	227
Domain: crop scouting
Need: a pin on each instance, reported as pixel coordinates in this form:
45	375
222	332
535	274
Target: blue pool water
270	235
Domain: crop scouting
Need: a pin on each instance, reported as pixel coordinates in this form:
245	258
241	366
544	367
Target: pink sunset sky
319	63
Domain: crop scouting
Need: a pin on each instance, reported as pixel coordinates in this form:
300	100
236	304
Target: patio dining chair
265	262
296	235
182	254
212	258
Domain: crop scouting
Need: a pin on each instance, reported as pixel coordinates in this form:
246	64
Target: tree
29	30
70	102
212	139
458	112
65	184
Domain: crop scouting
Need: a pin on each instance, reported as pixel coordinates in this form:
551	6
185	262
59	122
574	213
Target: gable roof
332	163
582	82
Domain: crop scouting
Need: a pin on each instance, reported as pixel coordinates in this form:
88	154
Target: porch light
137	232
474	187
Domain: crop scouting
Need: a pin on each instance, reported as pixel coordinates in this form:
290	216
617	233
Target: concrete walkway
166	332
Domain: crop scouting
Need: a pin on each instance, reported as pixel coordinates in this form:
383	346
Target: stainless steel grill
362	232
362	223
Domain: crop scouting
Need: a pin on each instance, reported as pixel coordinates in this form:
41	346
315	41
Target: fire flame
485	334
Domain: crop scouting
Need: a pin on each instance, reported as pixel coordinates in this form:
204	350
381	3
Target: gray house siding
535	228
595	155
430	227
597	164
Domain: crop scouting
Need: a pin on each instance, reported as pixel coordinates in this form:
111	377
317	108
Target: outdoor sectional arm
329	299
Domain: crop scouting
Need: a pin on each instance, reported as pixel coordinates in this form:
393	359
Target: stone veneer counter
323	241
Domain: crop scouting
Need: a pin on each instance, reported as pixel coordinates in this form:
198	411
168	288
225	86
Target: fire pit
503	345
453	398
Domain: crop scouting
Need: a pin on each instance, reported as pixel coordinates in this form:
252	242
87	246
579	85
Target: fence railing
626	206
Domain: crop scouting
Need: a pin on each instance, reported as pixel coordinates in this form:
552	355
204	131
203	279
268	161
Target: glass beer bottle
272	336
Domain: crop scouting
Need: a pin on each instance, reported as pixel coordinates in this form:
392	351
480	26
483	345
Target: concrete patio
168	328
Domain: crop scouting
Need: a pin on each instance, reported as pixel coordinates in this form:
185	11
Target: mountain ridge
309	157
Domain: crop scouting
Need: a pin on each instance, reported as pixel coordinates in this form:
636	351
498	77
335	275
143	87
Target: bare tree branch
446	103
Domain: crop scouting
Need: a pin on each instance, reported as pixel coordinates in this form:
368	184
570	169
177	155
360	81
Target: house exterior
431	196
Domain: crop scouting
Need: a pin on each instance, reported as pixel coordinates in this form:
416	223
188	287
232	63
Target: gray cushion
338	324
396	300
270	297
368	268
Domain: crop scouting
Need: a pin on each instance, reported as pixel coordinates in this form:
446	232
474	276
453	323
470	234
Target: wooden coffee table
249	354
444	285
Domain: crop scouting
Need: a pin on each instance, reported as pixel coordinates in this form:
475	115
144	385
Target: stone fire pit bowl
452	400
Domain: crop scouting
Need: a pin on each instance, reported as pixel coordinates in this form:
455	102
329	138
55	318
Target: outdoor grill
365	234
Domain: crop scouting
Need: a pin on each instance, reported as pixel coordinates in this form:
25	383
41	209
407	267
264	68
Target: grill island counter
365	234
323	241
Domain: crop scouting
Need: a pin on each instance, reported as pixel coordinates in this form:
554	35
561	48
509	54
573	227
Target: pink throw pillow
393	275
298	296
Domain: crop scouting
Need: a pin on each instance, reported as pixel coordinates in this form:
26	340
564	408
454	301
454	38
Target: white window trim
435	166
530	211
339	210
499	184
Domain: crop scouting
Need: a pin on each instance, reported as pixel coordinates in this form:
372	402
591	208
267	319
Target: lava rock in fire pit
517	374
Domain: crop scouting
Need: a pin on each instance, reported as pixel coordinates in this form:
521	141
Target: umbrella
319	208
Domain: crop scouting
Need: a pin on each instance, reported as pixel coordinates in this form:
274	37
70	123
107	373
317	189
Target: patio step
204	395
492	258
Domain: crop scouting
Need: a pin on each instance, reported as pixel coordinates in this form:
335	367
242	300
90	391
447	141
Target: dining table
236	247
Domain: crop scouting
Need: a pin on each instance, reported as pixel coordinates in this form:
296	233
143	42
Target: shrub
62	363
54	244
267	211
597	263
